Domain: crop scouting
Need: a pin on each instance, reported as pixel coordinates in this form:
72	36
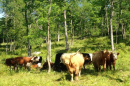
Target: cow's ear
117	53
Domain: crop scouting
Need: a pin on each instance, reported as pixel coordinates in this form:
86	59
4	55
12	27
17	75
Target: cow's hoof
71	80
76	78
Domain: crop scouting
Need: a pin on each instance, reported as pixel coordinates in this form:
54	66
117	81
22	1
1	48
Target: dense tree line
27	22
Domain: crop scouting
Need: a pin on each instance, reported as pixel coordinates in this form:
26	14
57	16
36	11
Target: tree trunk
111	15
6	36
102	24
3	37
125	32
122	25
11	44
29	47
66	37
116	27
106	16
48	41
119	21
14	37
58	35
105	25
71	30
81	29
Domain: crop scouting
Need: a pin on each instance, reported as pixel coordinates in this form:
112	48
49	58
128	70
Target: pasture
119	77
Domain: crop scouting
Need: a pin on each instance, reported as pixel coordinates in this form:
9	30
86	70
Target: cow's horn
78	50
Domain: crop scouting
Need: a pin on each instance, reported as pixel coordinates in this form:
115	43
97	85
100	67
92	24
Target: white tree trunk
66	37
111	15
48	41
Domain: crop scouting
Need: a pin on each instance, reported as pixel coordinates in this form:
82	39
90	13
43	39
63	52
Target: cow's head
65	60
37	59
115	55
34	59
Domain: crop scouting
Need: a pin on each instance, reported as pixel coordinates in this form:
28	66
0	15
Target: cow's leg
14	67
99	68
110	66
104	66
96	68
113	66
71	74
9	67
84	66
25	65
107	65
80	71
76	73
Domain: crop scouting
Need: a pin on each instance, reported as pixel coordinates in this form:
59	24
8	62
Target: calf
36	63
45	66
73	62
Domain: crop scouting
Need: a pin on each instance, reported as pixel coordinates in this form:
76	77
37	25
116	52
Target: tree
66	36
111	27
48	38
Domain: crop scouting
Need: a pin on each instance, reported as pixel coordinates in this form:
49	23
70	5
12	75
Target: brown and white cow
36	63
73	62
19	61
111	60
102	58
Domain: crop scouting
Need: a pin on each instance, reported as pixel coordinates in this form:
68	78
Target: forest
60	26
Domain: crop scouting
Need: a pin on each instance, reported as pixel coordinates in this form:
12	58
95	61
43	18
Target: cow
19	61
58	66
9	62
36	63
111	60
73	62
101	58
61	67
87	58
45	65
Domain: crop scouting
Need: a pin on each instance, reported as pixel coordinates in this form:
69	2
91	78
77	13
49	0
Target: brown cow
9	62
73	62
101	58
45	65
111	60
20	61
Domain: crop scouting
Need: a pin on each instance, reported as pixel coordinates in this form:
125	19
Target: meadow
119	77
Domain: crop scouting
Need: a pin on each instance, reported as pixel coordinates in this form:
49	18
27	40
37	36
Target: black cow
57	65
88	58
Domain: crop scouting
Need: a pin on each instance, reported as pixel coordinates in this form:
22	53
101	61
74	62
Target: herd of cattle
72	62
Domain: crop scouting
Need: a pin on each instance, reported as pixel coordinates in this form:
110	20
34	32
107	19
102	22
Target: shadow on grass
112	78
64	77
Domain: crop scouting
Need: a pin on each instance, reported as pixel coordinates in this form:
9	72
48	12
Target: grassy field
119	77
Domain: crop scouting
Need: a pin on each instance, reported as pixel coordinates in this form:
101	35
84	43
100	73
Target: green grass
119	77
